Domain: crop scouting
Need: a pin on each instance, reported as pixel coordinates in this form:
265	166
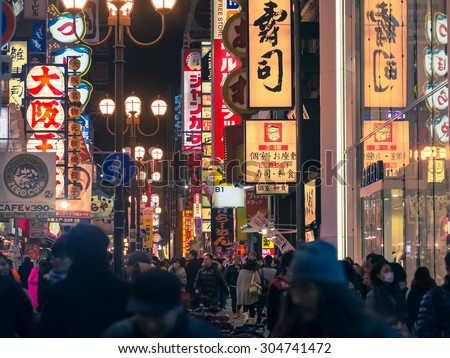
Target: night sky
149	71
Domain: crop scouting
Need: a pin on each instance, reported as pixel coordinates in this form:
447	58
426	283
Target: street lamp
119	18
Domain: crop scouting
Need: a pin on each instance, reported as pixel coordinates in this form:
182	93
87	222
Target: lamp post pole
133	184
119	220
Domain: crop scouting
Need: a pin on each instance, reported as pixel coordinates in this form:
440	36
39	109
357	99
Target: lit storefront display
404	125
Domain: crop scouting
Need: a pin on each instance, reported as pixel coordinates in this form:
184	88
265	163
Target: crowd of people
303	293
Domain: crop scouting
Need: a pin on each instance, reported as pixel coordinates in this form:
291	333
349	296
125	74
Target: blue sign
37	43
118	169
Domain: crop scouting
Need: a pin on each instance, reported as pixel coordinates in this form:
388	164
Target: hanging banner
310	202
270	68
385	53
27	185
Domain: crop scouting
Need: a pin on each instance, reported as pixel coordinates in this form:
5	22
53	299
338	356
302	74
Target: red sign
8	23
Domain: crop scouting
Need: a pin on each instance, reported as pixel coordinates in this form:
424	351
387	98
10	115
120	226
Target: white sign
228	197
27	185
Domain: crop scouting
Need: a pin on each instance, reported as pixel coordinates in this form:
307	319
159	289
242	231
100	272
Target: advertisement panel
27	185
271	151
222	230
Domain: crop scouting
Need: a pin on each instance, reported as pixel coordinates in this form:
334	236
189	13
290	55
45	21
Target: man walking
208	282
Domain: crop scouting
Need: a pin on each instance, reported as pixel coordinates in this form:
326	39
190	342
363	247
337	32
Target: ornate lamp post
119	19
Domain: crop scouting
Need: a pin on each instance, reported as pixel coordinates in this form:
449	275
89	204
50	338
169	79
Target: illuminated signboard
192	102
271	151
391	145
223	64
187	221
270	54
385	55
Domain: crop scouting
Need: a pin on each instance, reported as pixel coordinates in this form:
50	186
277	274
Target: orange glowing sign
385	54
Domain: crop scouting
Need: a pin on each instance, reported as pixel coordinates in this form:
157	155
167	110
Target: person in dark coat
16	310
90	299
420	285
208	283
24	271
320	305
434	311
277	290
386	300
231	276
192	266
158	313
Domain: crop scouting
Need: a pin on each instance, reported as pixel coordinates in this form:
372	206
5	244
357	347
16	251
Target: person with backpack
434	311
267	274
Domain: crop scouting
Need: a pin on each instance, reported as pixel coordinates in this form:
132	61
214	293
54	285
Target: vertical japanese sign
192	95
435	67
35	9
310	202
271	151
222	230
391	145
385	55
187	230
197	213
270	54
18	51
223	64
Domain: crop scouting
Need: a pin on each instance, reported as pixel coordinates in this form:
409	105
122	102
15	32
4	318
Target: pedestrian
350	274
208	283
222	265
386	300
434	312
61	262
45	266
178	270
368	262
247	275
25	270
420	285
16	310
33	283
320	305
231	276
157	311
6	268
400	277
90	299
267	274
136	263
192	267
278	290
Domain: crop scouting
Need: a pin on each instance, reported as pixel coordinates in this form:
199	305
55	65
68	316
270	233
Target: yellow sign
267	244
148	227
391	145
271	151
385	54
269	54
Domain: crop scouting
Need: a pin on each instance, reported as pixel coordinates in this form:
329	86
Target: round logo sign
26	176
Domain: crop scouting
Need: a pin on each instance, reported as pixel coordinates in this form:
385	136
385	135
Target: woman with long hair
386	300
320	305
420	285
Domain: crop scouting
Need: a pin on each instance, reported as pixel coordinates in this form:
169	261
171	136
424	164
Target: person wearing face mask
386	300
